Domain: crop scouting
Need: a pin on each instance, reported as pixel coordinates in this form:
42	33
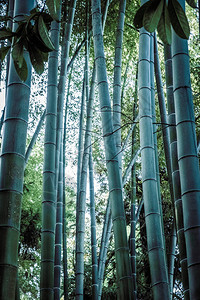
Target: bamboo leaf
192	3
178	19
23	71
44	35
17	53
152	15
164	27
53	6
34	38
3	52
138	19
36	59
6	33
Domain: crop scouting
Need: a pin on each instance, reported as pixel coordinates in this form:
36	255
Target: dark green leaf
138	19
45	56
3	52
164	27
46	17
34	10
6	33
23	71
44	35
192	3
17	52
34	38
36	59
53	6
178	19
152	15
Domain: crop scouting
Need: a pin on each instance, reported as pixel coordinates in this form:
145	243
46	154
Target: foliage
162	14
31	35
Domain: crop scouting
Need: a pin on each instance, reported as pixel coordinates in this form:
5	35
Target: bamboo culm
124	277
34	137
156	251
12	166
117	81
187	158
93	231
175	171
49	176
166	142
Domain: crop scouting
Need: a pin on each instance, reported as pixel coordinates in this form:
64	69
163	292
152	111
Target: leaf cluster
163	14
32	34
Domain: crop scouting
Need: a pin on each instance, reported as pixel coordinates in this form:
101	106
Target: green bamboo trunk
133	195
156	251
12	167
62	81
58	230
34	137
81	204
65	271
117	81
80	222
166	142
187	159
93	231
124	278
49	176
104	255
175	172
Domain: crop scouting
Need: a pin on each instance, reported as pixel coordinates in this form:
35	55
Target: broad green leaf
164	27
6	33
53	6
152	15
44	35
192	3
138	19
45	56
46	17
23	71
33	38
3	52
17	52
34	10
178	19
36	59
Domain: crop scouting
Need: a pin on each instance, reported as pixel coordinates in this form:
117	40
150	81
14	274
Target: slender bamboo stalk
12	167
104	256
155	242
80	222
93	231
129	167
62	80
187	158
133	195
166	142
49	176
124	278
117	81
175	172
81	203
34	137
2	118
58	230
65	283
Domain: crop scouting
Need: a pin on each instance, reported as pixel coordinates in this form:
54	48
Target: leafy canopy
32	35
162	14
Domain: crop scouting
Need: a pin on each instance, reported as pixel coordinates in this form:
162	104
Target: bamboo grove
99	172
